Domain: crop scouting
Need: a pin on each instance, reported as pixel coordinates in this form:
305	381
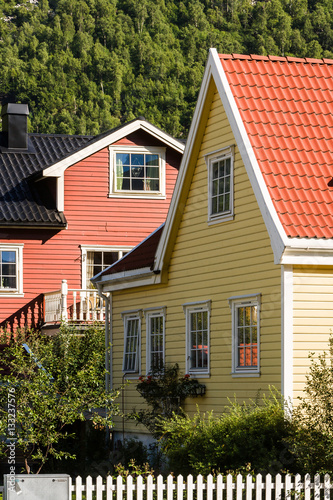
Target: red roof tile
286	105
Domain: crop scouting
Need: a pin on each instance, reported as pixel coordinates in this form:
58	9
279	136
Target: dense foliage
313	417
85	66
246	438
49	387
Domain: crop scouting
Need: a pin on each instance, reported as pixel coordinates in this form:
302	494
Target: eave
128	279
304	251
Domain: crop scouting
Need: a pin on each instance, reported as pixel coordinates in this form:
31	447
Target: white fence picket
189	485
149	487
200	487
268	487
139	488
129	488
327	487
229	487
89	488
99	488
219	487
210	487
78	488
239	487
317	487
287	487
259	487
180	487
160	487
110	488
170	487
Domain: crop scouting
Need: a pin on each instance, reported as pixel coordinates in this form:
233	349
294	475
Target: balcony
72	305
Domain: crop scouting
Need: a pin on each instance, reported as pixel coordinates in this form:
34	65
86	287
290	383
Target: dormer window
137	172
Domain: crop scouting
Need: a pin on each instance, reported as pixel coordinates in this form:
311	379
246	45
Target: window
11	269
96	259
197	337
245	333
155	321
220	185
132	329
137	172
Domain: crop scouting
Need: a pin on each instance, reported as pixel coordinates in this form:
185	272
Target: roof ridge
289	59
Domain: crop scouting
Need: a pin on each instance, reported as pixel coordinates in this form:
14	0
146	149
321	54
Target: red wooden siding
93	219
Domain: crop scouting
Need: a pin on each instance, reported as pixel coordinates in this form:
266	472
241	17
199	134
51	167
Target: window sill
11	294
222	218
245	374
156	196
131	376
197	375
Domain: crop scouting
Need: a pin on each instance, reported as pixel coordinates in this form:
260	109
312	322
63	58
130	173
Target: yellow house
236	286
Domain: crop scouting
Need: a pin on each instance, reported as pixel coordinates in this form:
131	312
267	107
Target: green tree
53	383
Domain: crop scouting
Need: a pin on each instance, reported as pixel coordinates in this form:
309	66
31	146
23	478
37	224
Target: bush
312	440
246	438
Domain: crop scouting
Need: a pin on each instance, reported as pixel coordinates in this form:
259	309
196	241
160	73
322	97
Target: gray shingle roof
22	200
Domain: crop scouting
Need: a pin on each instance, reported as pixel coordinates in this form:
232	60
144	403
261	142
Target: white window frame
127	317
189	309
18	249
211	159
114	193
234	303
159	312
97	248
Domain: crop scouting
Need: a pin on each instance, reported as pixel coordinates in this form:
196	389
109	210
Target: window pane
221	186
8	256
156	342
152	172
137	159
199	340
246	336
215	170
152	160
131	345
8	270
122	159
110	258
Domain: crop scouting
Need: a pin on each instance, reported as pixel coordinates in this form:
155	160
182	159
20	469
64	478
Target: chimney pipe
15	126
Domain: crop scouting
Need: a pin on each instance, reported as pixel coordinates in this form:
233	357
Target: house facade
72	205
236	287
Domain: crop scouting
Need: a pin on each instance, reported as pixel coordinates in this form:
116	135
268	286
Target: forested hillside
85	66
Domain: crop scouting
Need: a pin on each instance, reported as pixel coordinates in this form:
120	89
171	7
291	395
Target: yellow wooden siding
313	318
213	262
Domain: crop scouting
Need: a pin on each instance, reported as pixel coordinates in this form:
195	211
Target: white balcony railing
72	304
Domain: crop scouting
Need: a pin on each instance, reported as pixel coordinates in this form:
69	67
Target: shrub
247	437
312	440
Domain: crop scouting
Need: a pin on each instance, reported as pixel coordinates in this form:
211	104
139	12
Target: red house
71	206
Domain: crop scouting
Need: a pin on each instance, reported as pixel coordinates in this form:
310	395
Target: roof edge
108	138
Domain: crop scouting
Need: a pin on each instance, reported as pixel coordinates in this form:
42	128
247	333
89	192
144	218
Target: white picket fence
212	488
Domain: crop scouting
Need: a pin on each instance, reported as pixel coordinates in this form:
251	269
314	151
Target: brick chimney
15	126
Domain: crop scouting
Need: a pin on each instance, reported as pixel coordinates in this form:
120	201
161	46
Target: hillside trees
85	66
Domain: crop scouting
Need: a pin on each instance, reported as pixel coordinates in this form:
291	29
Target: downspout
108	338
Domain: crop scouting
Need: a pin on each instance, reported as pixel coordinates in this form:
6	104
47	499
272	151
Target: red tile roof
286	104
